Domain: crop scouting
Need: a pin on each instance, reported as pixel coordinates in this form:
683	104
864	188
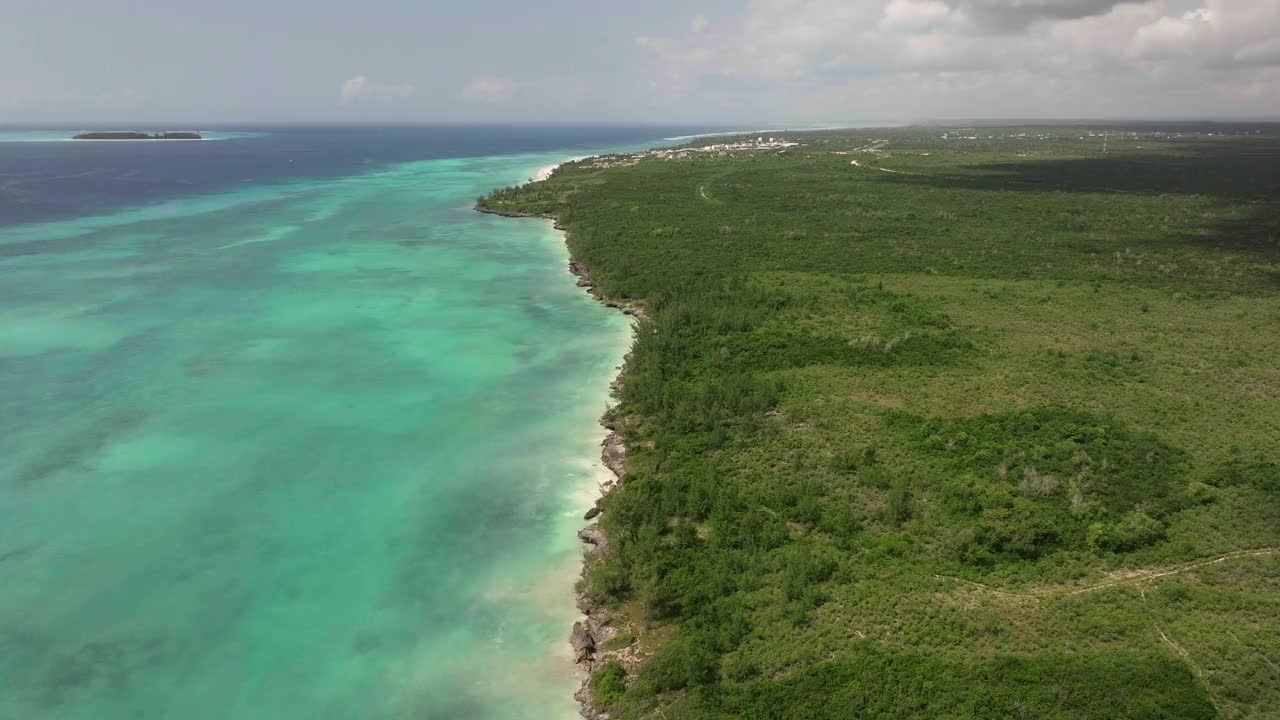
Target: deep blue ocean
287	430
42	179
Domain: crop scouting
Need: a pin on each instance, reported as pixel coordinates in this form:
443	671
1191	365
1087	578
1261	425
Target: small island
129	135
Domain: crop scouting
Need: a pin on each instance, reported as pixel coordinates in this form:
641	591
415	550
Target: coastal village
760	144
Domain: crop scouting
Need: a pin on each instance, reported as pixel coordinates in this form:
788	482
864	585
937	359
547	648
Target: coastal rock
614	454
590	710
600	626
584	645
586	604
592	513
588	635
511	213
592	534
584	281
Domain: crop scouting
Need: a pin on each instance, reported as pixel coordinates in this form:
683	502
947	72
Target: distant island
138	136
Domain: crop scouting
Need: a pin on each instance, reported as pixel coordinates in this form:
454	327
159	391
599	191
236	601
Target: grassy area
944	423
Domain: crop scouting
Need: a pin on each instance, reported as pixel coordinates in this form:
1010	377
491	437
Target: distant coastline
765	131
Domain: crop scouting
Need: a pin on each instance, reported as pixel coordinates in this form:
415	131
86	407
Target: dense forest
941	423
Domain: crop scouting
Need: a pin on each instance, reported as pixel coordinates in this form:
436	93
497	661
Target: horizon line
746	126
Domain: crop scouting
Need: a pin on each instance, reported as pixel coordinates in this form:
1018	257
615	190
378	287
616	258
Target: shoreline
589	634
546	171
575	268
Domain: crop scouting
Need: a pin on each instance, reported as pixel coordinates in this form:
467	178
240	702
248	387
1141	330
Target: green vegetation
609	683
957	431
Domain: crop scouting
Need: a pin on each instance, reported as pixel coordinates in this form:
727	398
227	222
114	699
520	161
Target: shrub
1135	530
898	508
683	662
609	683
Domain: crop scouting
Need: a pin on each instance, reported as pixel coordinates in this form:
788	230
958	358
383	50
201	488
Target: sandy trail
1136	576
857	164
1131	577
871	147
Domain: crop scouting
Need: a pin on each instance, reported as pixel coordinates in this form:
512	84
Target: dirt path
1181	651
857	164
1136	576
1139	577
702	189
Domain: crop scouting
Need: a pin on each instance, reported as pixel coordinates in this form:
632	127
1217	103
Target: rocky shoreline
591	636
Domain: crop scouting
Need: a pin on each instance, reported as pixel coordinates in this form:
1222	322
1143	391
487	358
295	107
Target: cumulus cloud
698	24
361	88
1170	37
1223	33
983	57
1108	34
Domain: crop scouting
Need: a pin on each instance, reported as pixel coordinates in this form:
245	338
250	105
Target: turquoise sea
311	441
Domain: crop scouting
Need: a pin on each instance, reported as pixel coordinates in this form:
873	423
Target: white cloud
1108	34
361	88
698	24
921	58
488	88
1171	37
1222	33
354	88
914	14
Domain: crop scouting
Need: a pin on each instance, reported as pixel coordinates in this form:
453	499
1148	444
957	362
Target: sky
772	62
